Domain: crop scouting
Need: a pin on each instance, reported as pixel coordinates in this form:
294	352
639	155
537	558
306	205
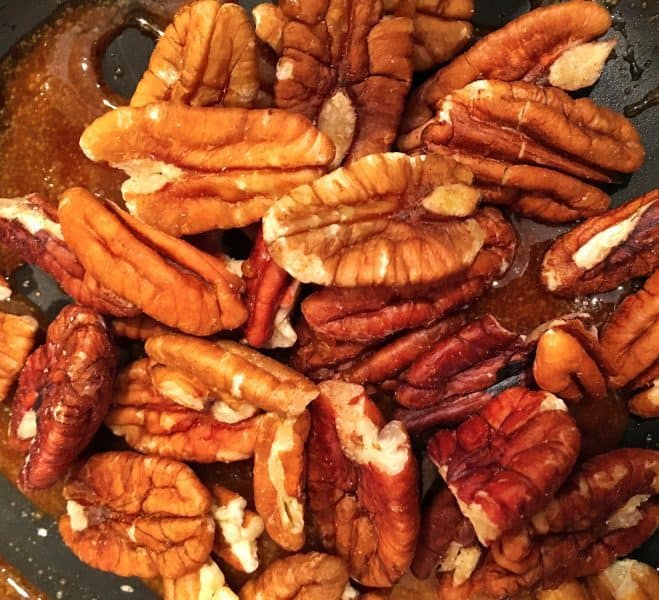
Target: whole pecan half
237	374
167	278
206	56
351	81
279	474
362	484
153	423
63	395
17	335
207	582
138	516
29	227
524	49
312	576
377	222
194	169
605	251
503	463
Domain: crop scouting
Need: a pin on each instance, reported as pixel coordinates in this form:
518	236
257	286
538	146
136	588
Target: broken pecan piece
139	327
503	463
279	473
235	373
362	484
624	580
376	223
63	395
604	251
138	516
351	81
206	56
17	335
207	583
188	178
155	424
167	278
312	576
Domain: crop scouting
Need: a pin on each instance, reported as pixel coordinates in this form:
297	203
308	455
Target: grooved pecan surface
207	582
17	335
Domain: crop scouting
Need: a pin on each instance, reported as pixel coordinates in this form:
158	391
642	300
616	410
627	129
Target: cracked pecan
237	374
136	515
193	169
207	582
376	222
362	484
17	335
167	278
524	49
154	423
279	474
503	463
604	251
62	396
351	81
206	56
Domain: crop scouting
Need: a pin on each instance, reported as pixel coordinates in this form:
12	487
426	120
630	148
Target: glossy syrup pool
51	91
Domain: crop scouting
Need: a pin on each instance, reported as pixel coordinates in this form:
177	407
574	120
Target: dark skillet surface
44	560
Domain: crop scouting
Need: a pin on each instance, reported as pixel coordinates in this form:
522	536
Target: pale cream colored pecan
207	583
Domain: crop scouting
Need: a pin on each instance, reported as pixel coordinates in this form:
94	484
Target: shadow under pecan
139	516
17	336
206	56
362	484
605	251
62	396
351	81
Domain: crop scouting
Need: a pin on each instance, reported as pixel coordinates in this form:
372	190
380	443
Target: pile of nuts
385	248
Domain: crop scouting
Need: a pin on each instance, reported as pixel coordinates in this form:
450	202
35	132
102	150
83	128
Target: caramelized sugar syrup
51	92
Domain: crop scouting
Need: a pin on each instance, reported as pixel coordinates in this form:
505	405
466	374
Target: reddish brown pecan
17	335
362	484
63	395
139	516
604	251
503	463
646	402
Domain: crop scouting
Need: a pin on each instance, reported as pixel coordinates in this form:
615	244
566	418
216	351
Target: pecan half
235	373
156	424
370	314
624	580
17	335
138	516
206	56
362	484
63	395
604	251
523	122
168	279
139	327
207	582
29	227
376	223
503	463
188	178
524	49
279	473
351	81
312	576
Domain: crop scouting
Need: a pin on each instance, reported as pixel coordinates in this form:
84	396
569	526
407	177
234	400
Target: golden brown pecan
362	484
206	583
138	515
237	374
206	56
524	49
29	227
154	423
236	531
312	576
351	81
607	250
523	122
279	474
139	327
503	463
624	580
167	278
63	395
194	169
376	222
646	402
17	335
